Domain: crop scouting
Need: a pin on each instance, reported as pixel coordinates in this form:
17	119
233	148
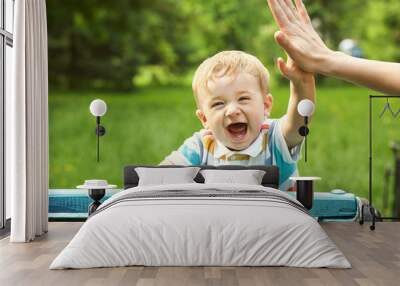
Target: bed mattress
201	225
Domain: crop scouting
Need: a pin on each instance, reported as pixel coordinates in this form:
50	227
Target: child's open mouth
237	130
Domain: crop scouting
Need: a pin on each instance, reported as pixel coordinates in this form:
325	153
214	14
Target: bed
201	224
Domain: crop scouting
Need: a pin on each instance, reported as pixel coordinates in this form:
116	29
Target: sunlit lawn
142	127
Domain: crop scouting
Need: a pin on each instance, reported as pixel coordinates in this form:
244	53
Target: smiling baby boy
233	101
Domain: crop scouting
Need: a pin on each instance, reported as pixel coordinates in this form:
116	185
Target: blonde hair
228	63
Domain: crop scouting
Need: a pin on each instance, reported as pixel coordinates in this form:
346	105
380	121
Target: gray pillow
248	177
165	176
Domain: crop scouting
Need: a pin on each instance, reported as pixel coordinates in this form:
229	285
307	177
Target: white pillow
165	176
248	177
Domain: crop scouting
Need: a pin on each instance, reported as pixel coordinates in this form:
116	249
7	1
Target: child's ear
202	117
268	102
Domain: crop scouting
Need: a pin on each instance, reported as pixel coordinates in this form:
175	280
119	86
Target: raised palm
297	35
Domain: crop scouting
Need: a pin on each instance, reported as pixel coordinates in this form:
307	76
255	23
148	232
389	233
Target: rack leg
372	210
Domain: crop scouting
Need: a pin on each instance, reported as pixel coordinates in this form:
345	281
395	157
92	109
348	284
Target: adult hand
303	44
298	37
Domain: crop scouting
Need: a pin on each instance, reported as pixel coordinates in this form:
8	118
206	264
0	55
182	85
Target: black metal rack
370	203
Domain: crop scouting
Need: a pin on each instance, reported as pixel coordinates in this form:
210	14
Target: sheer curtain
27	124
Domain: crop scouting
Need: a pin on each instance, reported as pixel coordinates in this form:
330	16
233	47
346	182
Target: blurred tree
334	19
381	32
103	44
117	44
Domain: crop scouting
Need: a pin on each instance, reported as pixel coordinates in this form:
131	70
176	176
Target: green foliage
383	33
335	20
115	45
110	45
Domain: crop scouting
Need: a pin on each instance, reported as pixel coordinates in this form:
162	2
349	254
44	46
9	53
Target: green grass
144	126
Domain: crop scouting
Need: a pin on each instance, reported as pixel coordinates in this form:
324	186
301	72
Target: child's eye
242	98
217	104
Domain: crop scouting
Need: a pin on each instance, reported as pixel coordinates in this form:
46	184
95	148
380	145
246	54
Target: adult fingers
285	6
306	19
272	7
297	24
302	12
290	9
279	15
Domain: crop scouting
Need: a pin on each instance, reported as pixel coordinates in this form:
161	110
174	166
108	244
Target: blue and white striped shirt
269	148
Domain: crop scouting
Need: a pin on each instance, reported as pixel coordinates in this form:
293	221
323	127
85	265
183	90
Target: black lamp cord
98	137
305	139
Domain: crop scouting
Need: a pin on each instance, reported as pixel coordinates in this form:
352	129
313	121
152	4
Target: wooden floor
374	255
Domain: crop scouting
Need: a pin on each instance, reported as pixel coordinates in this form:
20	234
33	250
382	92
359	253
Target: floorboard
374	255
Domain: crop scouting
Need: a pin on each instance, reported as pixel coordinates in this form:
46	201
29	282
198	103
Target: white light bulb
305	107
98	107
